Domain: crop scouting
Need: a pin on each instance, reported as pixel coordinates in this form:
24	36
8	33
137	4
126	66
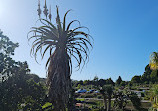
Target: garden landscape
78	55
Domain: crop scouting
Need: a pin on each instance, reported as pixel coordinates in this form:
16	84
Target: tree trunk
58	80
109	105
105	102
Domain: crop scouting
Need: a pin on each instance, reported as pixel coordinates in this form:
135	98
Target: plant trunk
105	102
109	100
58	80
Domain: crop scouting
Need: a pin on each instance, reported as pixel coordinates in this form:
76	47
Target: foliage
95	81
145	78
7	47
18	90
120	101
129	85
154	96
88	95
110	82
11	89
102	82
154	76
136	79
72	101
154	61
34	96
119	80
47	106
7	64
107	91
123	83
136	101
63	45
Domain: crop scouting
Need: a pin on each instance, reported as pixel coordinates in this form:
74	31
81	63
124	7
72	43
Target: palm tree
63	44
154	61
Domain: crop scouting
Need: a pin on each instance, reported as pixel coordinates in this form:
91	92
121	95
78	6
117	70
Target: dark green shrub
99	96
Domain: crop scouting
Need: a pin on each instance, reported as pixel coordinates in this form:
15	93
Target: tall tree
63	44
103	91
120	101
7	48
136	79
154	61
153	96
95	81
109	93
14	84
136	101
110	81
154	76
145	78
119	80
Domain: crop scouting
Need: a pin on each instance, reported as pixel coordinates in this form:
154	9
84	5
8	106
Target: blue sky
125	33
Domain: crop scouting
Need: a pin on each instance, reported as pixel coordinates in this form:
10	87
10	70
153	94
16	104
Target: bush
142	94
88	95
99	96
77	95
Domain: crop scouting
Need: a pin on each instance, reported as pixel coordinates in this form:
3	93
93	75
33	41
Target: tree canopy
17	86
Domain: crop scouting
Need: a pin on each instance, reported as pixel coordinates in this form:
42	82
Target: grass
80	99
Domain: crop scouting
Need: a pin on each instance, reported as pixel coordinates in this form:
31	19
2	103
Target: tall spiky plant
63	44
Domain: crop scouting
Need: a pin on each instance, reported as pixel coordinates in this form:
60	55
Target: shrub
99	96
88	96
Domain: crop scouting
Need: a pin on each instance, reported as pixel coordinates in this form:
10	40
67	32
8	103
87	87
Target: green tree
136	101
101	82
95	81
154	61
18	90
16	87
120	101
145	78
11	89
123	83
63	43
154	76
154	65
110	81
109	93
136	79
103	91
129	85
7	48
119	80
33	96
153	96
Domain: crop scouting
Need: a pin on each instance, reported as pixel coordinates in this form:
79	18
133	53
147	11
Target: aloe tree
63	44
